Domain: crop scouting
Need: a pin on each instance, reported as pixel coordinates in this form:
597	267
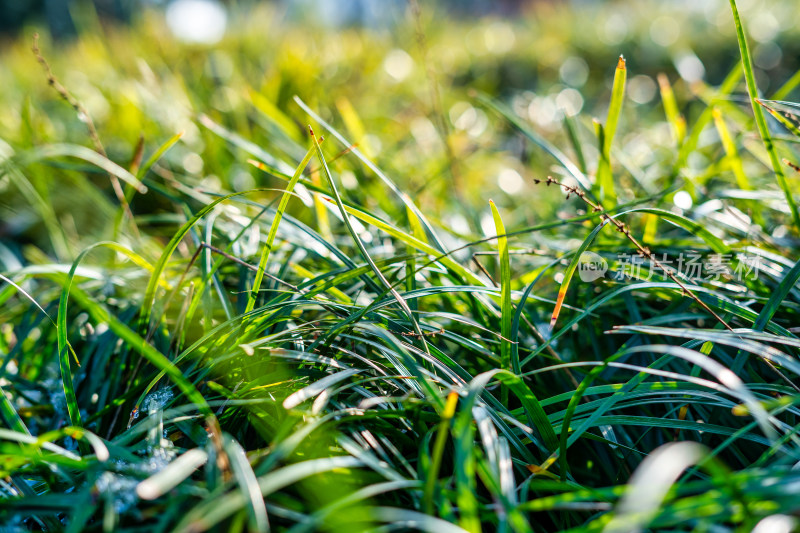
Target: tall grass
297	334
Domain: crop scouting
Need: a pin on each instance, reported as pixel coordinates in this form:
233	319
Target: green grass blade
364	253
690	143
761	121
575	141
605	178
90	156
731	153
138	344
173	474
438	450
777	298
248	484
537	139
506	311
429	524
169	143
130	337
273	231
676	121
172	245
213	511
412	241
318	387
649	485
10	415
570	272
787	88
770	106
374	168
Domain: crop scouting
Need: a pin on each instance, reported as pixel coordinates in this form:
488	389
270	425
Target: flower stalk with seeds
647	254
643	251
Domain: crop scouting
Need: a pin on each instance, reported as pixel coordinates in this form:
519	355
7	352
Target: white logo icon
591	266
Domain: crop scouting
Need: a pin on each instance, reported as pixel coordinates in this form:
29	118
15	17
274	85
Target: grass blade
570	272
438	451
761	121
650	483
605	178
172	475
317	388
362	248
731	153
676	121
169	143
506	311
273	231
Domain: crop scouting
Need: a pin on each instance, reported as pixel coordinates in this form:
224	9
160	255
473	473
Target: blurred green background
397	80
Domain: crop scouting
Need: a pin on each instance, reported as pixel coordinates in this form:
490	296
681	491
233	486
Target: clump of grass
315	351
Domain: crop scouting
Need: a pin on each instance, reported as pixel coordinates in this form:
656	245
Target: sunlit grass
302	334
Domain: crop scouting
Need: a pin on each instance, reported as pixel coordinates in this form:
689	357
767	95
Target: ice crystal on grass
121	487
153	402
118	488
157	400
159	458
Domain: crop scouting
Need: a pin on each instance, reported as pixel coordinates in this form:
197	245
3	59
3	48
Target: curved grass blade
55	230
317	387
357	497
412	241
570	272
537	139
211	512
695	228
169	143
248	484
413	519
172	245
362	248
172	475
90	156
278	166
736	339
650	483
130	337
28	296
63	344
770	308
779	111
723	374
374	168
